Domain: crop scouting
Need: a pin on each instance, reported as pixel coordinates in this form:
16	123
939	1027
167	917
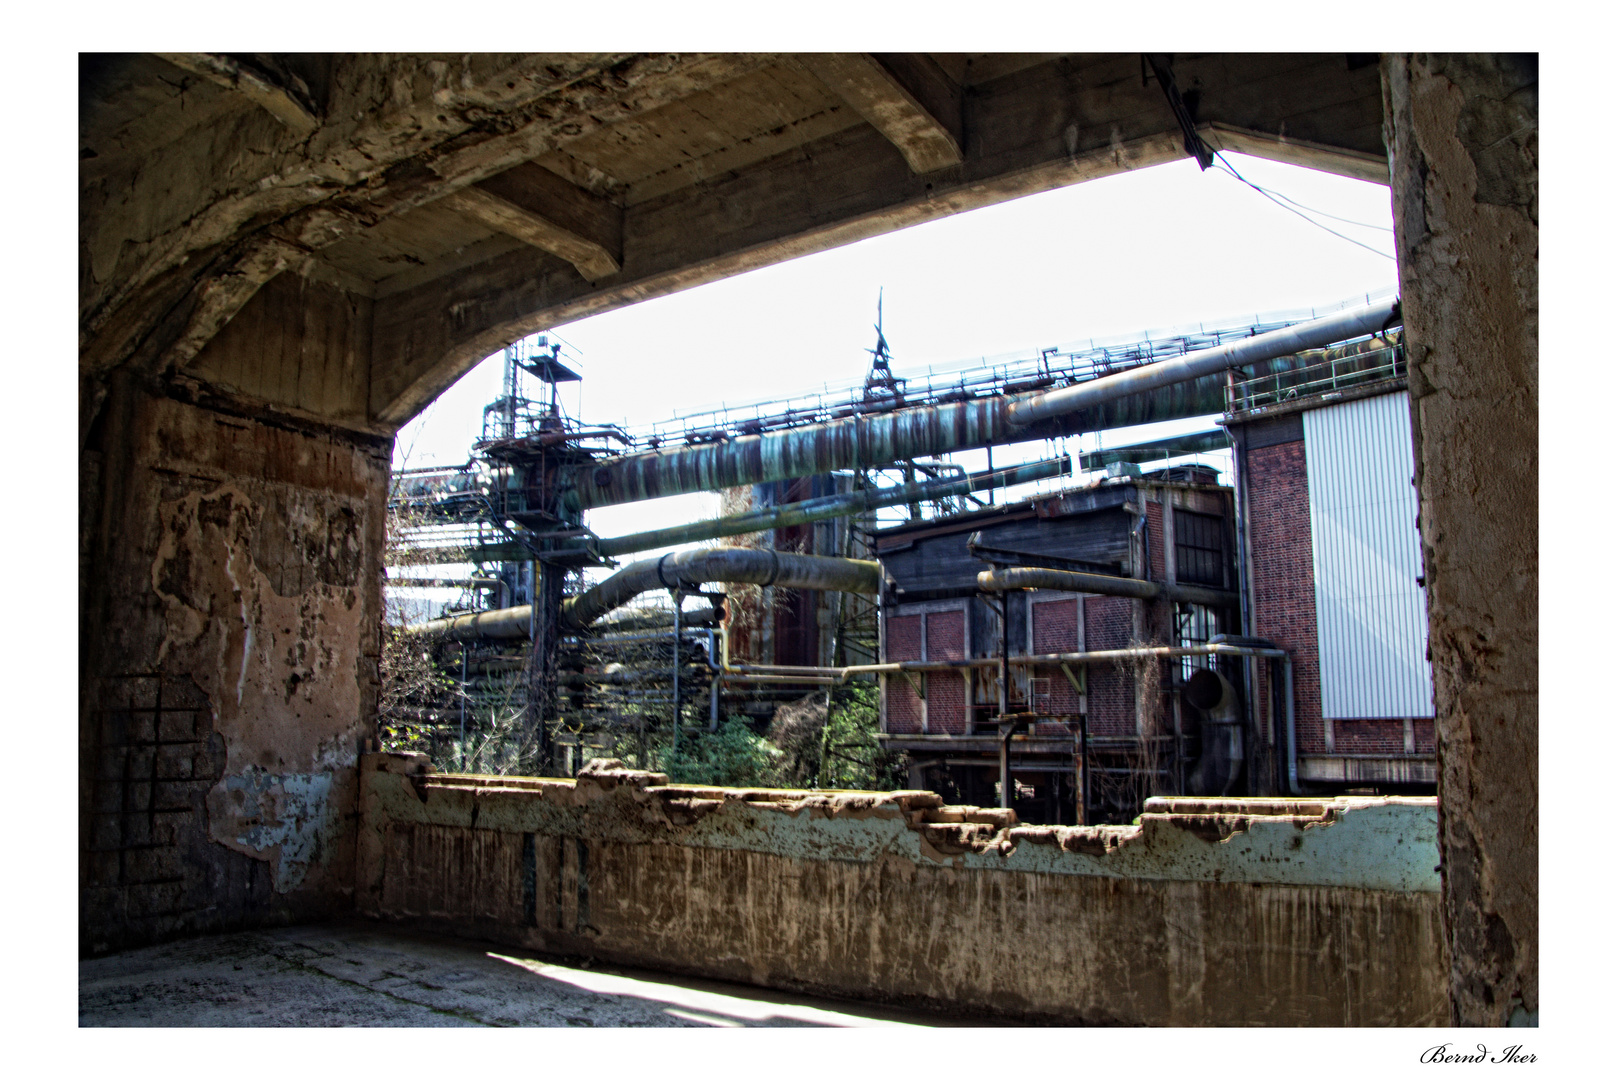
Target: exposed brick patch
1107	625
945	690
1370	736
1283	575
1153	526
903	704
1425	736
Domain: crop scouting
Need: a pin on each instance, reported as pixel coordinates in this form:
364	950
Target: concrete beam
377	157
905	96
536	206
1044	127
289	104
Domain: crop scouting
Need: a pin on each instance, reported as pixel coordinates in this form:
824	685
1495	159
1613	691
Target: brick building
1314	553
1326	467
1116	728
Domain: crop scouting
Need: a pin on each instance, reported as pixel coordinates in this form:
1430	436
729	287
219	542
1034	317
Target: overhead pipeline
831	506
1189	386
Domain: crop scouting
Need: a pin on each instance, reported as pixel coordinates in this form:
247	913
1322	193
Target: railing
1337	374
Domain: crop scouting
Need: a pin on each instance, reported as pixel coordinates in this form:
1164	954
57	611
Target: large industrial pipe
853	443
680	569
1222	755
511	622
1009	579
1314	334
690	569
924	430
830	506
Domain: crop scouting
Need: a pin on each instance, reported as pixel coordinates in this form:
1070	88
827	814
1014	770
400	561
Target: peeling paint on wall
282	650
288	816
238	566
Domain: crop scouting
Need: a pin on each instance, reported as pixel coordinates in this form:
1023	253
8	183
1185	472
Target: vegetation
825	740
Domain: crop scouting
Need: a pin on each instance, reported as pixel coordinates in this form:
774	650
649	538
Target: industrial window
1198	548
1194	624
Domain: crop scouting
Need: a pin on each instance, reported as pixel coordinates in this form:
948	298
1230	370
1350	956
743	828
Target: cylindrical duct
830	506
1037	577
857	442
1314	334
689	569
1168	389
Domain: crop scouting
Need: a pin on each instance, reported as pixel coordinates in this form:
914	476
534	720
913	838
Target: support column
542	668
1462	135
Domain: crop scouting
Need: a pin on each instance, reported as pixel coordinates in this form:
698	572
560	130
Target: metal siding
1372	613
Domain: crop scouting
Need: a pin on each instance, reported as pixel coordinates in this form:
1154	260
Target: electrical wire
1281	201
1321	213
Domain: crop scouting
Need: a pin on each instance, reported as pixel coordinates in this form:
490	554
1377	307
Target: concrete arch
284	257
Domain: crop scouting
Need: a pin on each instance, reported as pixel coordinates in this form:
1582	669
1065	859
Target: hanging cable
1321	213
1277	200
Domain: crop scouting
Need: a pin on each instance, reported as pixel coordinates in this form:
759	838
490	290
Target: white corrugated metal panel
1371	611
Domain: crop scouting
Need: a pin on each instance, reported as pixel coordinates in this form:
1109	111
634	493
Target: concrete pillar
230	576
1462	136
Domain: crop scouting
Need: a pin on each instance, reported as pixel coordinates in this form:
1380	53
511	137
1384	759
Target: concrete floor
364	975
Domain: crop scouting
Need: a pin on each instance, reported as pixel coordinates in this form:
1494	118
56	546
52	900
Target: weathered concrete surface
346	975
456	203
893	897
230	575
1463	133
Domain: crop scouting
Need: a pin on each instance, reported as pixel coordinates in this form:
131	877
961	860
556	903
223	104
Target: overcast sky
1149	250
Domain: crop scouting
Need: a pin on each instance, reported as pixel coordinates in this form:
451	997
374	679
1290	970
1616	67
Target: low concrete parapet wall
1227	912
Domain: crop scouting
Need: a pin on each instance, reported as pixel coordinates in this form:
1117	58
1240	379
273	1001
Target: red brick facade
903	704
932	635
1108	624
945	690
1283	576
1153	527
1055	630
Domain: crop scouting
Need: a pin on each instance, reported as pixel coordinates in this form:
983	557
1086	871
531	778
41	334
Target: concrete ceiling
457	203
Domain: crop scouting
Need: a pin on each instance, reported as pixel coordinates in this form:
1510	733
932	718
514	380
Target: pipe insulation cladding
853	443
924	430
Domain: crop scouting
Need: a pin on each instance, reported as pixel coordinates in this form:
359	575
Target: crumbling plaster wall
232	563
1288	914
1462	132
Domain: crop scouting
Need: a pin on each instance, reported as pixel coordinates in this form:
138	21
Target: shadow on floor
364	975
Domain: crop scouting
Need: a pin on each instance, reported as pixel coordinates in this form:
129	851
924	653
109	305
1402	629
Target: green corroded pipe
1190	386
829	506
